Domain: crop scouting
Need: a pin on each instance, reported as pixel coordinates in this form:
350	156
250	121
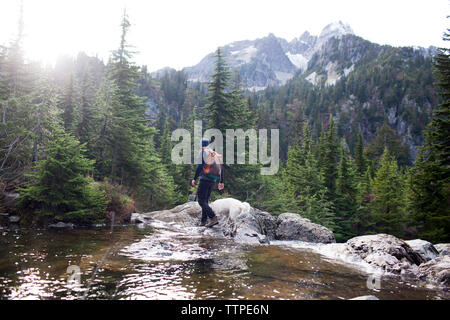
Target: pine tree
430	181
360	160
68	103
440	123
244	180
346	193
430	193
386	137
297	123
59	189
328	158
305	184
387	206
44	115
85	124
134	162
362	220
17	126
228	109
220	114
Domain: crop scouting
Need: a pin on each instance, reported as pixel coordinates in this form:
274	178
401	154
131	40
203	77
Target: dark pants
203	193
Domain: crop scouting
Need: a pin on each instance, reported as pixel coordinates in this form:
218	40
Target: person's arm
198	170
221	185
221	175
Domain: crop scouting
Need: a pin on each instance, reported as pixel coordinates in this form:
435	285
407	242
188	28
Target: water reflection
169	264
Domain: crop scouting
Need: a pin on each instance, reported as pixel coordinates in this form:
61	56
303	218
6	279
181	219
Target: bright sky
179	33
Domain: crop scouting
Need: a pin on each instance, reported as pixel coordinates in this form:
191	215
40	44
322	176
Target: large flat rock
250	226
292	226
385	251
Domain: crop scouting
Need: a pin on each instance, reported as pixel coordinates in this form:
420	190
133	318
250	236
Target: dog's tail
246	207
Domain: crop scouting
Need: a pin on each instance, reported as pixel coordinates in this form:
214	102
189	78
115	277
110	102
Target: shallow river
146	263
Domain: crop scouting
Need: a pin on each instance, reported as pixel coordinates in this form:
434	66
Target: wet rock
137	218
436	270
291	226
386	252
61	225
267	223
99	225
443	248
247	235
14	219
187	214
250	226
365	298
246	229
424	248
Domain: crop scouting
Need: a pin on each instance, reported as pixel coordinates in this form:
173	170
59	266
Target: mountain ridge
272	61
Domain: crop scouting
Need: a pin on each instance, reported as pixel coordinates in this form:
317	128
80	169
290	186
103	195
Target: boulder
252	226
61	225
436	270
136	218
424	248
267	223
386	252
443	248
292	226
14	219
188	216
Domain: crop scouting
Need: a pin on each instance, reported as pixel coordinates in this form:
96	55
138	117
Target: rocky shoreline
378	254
381	253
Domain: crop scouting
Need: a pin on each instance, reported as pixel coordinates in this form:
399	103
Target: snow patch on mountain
283	77
336	29
332	75
245	54
256	88
348	70
313	78
298	60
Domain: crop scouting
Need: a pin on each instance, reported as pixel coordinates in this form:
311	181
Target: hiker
210	170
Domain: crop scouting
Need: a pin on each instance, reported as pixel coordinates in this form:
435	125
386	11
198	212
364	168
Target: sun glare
55	28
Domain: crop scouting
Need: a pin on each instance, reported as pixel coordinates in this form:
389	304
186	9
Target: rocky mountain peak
336	29
272	61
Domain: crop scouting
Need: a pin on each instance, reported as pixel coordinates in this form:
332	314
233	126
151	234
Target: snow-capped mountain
269	61
272	61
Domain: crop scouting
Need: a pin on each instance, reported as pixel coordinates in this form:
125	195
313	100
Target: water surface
146	263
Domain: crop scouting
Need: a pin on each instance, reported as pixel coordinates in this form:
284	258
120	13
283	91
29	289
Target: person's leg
204	192
202	198
209	211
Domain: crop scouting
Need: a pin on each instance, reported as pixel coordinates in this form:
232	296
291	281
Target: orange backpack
213	164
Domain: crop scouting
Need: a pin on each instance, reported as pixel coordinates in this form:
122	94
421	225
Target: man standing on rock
210	170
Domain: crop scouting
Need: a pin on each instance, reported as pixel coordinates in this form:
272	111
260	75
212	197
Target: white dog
231	208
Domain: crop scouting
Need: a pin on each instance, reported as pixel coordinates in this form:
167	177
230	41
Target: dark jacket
199	171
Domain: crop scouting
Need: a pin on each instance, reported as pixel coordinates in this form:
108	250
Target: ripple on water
172	263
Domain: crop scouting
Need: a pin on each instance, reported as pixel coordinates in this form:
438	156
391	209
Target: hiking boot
213	222
202	224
